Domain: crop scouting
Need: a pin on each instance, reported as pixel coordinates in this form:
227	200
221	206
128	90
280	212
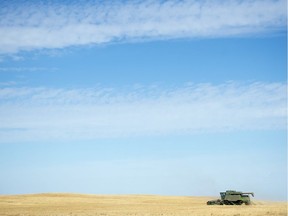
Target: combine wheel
226	202
239	202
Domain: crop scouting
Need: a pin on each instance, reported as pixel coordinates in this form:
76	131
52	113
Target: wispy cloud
26	69
30	114
8	83
30	26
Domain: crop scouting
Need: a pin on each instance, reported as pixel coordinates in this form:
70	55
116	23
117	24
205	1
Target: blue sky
143	97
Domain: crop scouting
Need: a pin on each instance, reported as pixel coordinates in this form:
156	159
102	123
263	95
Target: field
127	205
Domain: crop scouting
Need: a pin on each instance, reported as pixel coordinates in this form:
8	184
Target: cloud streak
26	69
44	114
32	26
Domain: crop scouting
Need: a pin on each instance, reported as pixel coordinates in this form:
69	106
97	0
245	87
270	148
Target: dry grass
136	205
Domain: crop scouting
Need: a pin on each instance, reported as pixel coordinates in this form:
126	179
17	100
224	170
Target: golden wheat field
127	205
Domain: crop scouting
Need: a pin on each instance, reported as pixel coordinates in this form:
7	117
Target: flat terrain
127	205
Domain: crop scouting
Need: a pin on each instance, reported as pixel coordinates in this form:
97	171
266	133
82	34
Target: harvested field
127	205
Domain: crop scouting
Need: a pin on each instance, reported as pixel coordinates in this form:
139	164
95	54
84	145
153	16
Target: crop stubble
128	205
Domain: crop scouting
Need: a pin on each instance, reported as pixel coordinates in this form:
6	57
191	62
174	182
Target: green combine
231	197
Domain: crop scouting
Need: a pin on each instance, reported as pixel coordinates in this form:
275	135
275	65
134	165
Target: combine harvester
231	197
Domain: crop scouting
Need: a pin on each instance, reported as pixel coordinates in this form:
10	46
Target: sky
185	98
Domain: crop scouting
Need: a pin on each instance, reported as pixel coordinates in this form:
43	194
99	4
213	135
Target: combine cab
231	197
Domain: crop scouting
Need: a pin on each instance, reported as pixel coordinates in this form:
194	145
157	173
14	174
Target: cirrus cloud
43	114
31	26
